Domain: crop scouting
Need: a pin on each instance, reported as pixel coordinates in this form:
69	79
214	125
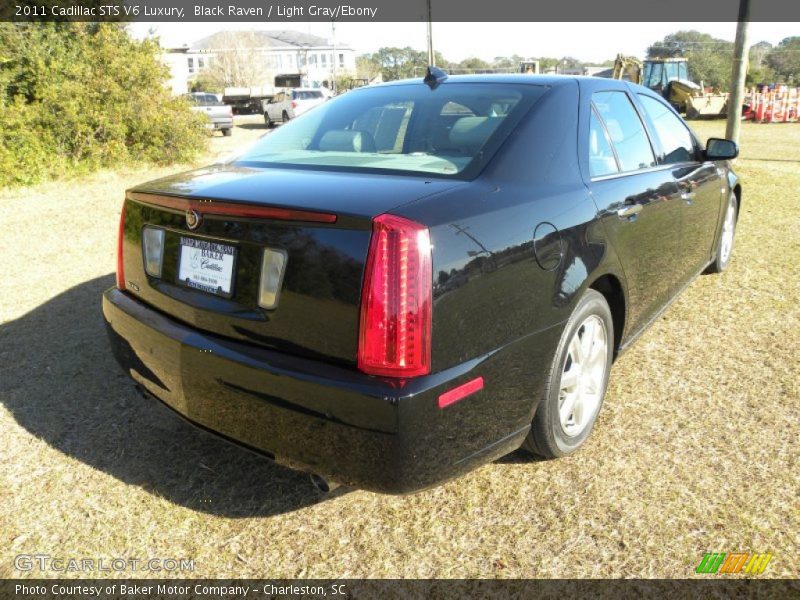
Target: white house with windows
317	60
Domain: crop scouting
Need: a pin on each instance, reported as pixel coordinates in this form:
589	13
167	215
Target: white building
317	60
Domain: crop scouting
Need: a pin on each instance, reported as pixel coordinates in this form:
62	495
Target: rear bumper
222	123
358	430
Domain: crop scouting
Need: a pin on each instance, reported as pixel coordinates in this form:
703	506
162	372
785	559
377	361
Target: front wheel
726	238
576	383
227	132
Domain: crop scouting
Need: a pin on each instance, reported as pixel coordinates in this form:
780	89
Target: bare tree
239	60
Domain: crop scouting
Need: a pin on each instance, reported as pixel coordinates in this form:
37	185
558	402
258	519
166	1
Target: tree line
709	60
403	63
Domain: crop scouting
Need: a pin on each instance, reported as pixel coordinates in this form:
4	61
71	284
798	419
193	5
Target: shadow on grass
520	457
252	126
785	160
60	381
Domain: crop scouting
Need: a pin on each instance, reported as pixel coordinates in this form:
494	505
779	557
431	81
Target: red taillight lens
395	329
294	104
120	240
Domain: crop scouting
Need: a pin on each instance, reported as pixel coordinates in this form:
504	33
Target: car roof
517	78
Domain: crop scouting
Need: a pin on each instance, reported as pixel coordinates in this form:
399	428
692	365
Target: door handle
629	211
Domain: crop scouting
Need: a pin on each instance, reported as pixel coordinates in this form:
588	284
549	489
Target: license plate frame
196	255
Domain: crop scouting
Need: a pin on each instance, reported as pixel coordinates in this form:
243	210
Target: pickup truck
220	115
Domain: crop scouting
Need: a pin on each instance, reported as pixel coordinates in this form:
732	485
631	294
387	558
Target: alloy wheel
582	377
728	230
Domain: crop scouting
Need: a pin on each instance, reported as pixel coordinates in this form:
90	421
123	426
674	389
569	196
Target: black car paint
513	250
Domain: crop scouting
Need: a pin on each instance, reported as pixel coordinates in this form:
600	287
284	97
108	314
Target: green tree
399	63
80	96
758	71
709	58
471	65
784	60
367	66
207	82
507	62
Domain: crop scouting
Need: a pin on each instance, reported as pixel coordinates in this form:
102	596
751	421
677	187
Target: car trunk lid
312	226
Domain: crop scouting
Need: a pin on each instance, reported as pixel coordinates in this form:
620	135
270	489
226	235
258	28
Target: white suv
290	104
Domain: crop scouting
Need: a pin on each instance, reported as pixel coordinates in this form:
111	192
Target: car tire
726	237
576	382
227	132
285	117
268	122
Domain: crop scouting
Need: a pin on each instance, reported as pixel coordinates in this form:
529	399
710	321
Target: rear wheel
285	116
227	132
726	238
269	122
576	383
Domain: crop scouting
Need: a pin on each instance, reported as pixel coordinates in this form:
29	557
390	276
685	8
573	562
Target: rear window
306	95
204	100
451	131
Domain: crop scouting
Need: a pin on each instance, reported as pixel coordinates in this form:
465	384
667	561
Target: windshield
451	131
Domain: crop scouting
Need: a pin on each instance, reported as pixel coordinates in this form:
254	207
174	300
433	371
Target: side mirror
721	149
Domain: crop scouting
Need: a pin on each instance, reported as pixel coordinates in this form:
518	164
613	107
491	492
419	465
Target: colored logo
734	562
193	219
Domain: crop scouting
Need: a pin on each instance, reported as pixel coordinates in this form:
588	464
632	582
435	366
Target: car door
638	203
273	108
701	185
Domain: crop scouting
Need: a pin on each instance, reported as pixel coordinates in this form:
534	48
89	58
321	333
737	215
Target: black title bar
283	12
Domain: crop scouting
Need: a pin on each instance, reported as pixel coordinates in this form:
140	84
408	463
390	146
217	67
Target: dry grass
696	449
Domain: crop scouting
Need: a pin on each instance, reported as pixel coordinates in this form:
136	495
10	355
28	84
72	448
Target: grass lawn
696	449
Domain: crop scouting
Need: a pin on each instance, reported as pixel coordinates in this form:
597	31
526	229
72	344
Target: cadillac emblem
193	219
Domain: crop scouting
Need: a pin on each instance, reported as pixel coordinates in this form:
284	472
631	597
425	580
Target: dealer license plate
207	266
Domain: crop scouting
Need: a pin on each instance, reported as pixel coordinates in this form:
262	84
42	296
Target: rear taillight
395	327
120	240
294	104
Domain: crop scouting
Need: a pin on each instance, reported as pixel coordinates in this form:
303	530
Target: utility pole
431	55
333	32
738	73
462	229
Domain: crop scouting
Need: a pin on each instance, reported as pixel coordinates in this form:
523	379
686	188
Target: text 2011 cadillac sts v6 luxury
416	278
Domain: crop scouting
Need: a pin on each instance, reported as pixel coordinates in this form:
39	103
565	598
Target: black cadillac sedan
417	278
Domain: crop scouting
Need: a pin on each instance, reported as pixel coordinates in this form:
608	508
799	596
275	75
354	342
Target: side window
674	135
625	129
601	157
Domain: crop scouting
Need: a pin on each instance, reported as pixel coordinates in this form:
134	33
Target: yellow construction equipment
670	78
